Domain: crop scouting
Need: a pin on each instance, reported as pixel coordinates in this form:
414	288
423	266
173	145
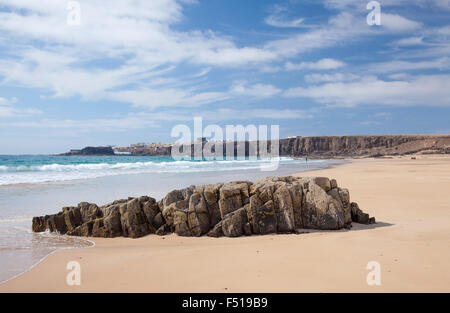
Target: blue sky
133	69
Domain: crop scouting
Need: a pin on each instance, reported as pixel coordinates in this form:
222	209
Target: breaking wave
54	172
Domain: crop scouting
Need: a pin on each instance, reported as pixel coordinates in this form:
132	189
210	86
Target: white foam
65	172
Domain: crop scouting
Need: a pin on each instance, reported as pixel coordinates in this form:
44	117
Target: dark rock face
271	205
92	151
359	216
369	145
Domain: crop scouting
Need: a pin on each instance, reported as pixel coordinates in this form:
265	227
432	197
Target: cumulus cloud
135	36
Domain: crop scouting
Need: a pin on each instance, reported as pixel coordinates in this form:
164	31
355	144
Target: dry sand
409	198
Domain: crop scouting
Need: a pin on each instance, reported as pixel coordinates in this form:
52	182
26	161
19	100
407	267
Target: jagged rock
344	194
72	217
112	224
98	229
84	230
151	211
89	211
176	200
286	193
56	223
284	202
358	216
235	224
264	188
180	223
198	215
262	216
333	183
296	192
211	195
323	182
39	224
216	231
321	211
233	196
158	221
163	230
343	198
133	220
271	205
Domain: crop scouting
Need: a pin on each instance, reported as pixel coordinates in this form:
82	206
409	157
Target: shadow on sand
355	227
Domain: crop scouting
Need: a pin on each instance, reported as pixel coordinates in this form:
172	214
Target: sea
35	185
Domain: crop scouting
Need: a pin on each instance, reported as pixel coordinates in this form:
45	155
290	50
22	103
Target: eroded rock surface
271	205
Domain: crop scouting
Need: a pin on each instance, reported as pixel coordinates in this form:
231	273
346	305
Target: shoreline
93	244
126	250
330	164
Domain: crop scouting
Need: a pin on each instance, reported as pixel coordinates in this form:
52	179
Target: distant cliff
91	151
320	146
365	146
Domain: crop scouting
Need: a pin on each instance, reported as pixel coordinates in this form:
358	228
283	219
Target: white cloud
153	98
241	88
148	120
423	90
324	64
397	23
278	19
203	72
399	66
136	35
410	41
339	28
445	30
5	101
8	108
318	78
141	40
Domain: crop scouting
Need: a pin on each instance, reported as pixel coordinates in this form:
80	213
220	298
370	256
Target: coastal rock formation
313	147
271	205
91	151
364	146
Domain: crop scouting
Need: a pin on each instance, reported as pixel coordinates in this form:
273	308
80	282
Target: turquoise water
40	184
45	169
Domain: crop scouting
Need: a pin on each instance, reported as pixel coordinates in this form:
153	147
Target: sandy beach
409	199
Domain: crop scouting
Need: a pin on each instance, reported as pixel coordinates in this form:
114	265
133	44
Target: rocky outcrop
269	206
91	151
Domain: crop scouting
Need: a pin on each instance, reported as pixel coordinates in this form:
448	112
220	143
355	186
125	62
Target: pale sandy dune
410	199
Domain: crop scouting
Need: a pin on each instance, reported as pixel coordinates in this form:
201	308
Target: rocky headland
271	205
313	147
91	151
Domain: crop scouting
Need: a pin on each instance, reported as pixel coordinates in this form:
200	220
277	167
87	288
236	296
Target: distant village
156	148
